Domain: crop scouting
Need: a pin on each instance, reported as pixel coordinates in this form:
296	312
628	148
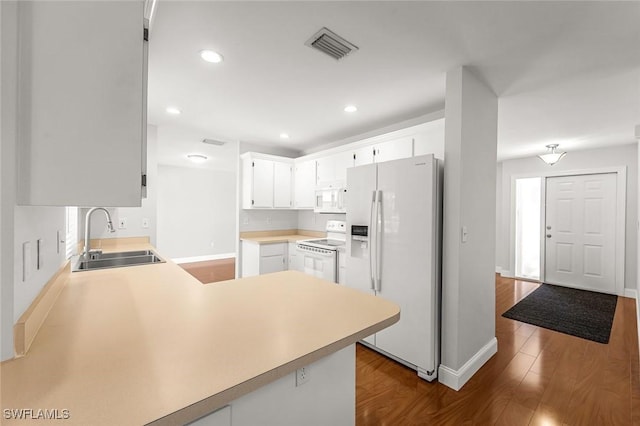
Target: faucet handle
94	254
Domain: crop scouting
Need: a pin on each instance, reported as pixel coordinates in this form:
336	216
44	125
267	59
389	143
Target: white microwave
330	200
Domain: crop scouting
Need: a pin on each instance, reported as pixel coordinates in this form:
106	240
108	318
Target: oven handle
315	250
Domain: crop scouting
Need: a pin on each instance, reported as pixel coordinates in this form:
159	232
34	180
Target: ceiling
564	72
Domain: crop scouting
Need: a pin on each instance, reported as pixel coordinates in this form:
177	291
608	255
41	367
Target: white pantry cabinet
81	103
266	181
304	183
258	259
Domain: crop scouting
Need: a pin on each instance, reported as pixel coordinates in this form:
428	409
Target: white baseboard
203	258
499	270
455	379
631	293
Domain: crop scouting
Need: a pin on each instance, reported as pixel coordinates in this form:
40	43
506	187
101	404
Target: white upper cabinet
261	183
331	171
430	140
363	155
266	181
282	177
81	103
384	151
394	149
305	184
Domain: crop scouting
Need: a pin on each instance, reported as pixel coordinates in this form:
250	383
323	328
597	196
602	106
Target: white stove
319	257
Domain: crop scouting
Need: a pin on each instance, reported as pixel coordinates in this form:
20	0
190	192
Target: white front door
580	231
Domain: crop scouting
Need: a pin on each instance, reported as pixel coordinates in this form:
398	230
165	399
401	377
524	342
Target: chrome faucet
87	253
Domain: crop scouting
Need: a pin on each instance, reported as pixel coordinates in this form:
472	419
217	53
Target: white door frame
621	213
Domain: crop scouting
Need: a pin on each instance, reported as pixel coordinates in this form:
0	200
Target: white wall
615	156
311	221
33	223
468	281
133	215
196	211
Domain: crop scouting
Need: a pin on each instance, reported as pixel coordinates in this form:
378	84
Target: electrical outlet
302	376
268	220
122	223
245	221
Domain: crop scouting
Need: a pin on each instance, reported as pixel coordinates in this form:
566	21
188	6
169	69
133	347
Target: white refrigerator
393	251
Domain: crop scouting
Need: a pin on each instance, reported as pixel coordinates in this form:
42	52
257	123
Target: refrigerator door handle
371	238
379	241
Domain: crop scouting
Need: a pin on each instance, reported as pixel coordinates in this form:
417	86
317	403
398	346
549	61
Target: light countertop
151	343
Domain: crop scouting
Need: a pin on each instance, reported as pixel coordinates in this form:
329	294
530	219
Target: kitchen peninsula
151	344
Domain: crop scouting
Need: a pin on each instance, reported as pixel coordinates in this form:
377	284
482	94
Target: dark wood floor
211	271
538	377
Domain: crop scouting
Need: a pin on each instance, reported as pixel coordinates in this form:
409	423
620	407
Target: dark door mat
580	313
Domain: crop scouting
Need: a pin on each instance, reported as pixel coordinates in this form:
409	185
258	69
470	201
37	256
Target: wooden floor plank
538	377
211	271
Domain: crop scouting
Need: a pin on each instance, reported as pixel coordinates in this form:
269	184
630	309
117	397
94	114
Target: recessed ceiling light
284	136
173	110
197	158
211	56
350	108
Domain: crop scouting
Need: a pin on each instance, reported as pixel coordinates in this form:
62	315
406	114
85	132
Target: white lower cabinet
342	266
258	259
326	398
294	259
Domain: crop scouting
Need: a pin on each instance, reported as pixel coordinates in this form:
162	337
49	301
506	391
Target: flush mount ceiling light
284	136
552	157
173	110
350	108
211	56
197	158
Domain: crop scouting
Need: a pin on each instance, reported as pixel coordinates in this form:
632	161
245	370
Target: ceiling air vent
331	43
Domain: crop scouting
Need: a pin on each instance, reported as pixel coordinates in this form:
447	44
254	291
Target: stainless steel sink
116	260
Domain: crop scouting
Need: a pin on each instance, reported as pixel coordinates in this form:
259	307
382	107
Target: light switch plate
464	234
145	222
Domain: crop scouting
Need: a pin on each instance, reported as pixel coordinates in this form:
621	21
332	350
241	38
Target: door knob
548	235
548	227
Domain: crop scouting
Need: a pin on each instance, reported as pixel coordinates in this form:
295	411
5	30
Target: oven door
319	262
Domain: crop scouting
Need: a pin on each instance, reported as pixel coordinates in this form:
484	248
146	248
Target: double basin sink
100	260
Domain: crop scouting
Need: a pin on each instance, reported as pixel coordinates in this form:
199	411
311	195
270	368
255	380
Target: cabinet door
305	183
431	140
282	185
81	103
363	156
293	264
342	161
394	150
262	183
270	264
324	171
